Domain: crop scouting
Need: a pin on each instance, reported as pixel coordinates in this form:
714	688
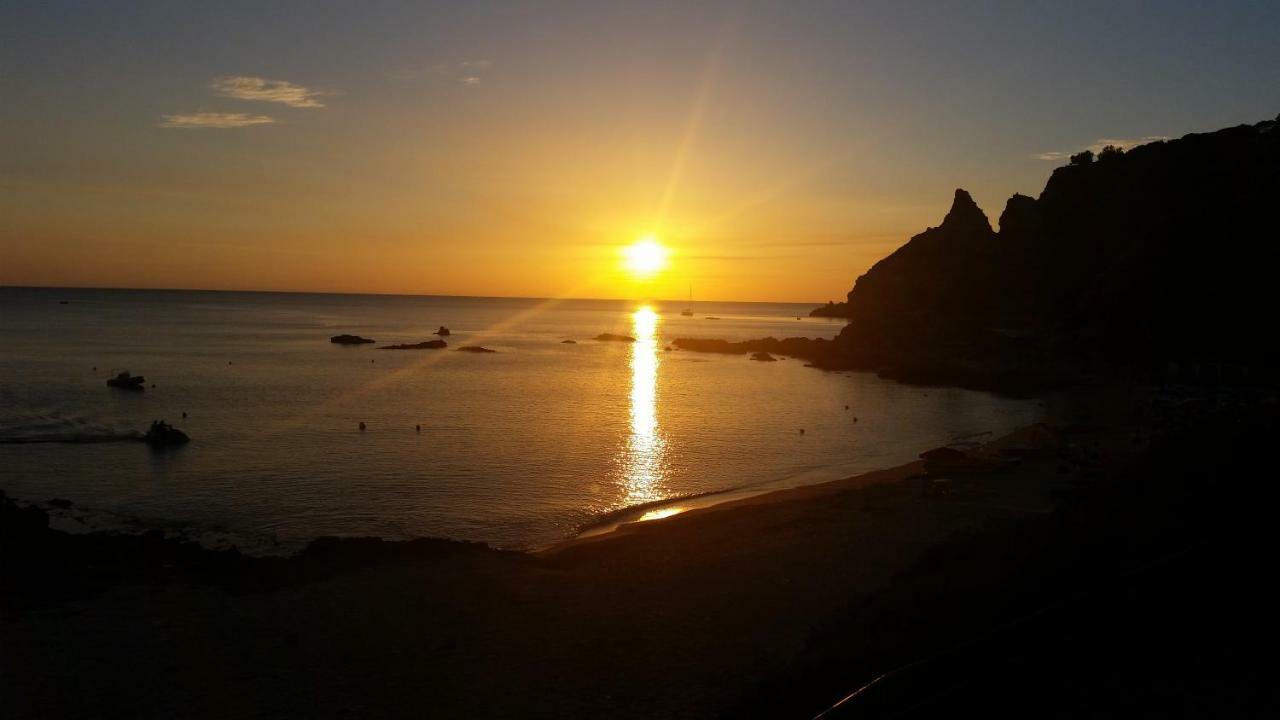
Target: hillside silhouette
1157	261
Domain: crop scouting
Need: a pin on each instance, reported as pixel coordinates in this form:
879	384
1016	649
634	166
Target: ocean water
518	448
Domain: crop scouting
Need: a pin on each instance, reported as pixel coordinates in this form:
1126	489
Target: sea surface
518	448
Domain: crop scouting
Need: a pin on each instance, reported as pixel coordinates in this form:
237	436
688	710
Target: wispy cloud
1096	147
244	87
214	120
465	72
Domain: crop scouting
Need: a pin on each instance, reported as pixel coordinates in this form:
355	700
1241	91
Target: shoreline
776	605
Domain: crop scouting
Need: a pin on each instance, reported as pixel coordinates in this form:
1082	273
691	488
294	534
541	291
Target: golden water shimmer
644	457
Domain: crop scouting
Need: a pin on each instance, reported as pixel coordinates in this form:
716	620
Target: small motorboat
125	381
162	434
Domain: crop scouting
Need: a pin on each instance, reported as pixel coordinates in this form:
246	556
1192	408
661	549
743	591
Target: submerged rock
427	345
475	349
568	342
350	340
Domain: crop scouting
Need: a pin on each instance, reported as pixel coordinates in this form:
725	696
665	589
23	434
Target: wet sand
775	605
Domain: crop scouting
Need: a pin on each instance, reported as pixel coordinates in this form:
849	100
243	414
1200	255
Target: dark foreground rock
426	345
350	340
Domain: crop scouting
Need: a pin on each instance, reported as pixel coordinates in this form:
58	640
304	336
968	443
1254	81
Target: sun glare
645	256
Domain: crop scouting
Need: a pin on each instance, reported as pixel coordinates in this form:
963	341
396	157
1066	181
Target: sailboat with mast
688	311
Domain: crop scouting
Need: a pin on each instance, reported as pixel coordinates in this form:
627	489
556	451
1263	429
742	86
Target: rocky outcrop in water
475	349
350	340
610	337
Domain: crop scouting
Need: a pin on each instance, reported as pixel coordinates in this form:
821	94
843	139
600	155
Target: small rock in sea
801	429
350	340
184	414
568	342
428	345
443	331
417	428
763	357
846	407
475	349
60	503
615	338
362	426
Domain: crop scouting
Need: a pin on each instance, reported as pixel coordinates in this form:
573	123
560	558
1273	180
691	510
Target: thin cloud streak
1096	147
214	120
245	87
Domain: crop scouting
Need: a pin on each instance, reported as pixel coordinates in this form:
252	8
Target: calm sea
518	448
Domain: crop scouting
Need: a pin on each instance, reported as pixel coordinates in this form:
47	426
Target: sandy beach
777	605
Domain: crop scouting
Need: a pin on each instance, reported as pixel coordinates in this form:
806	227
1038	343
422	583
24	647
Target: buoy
801	431
417	428
184	414
362	426
846	407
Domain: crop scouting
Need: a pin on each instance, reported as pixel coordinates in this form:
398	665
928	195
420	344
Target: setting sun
645	256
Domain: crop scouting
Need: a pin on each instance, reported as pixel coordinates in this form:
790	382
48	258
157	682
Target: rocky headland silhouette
1151	263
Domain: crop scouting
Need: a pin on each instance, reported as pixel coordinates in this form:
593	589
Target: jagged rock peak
1021	215
965	213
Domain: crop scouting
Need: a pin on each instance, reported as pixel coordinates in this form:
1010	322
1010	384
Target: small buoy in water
95	368
417	428
184	414
228	362
153	385
362	426
801	429
855	418
846	407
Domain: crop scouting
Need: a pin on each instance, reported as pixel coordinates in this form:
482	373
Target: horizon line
388	294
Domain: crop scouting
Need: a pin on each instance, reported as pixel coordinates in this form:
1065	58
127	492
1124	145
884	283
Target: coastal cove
520	448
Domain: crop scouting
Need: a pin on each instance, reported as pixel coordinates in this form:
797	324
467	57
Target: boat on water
688	311
124	381
162	434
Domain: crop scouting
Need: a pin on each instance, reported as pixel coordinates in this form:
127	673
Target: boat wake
59	429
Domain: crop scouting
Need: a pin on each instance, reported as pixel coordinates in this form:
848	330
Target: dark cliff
1154	260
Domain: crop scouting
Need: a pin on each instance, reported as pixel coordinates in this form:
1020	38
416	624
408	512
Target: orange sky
511	149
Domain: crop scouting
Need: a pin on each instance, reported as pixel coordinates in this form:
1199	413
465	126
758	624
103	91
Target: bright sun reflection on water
645	447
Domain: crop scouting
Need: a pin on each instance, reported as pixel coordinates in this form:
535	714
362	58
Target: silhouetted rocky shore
1151	264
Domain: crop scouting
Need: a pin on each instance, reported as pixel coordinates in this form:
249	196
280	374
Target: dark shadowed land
1113	568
